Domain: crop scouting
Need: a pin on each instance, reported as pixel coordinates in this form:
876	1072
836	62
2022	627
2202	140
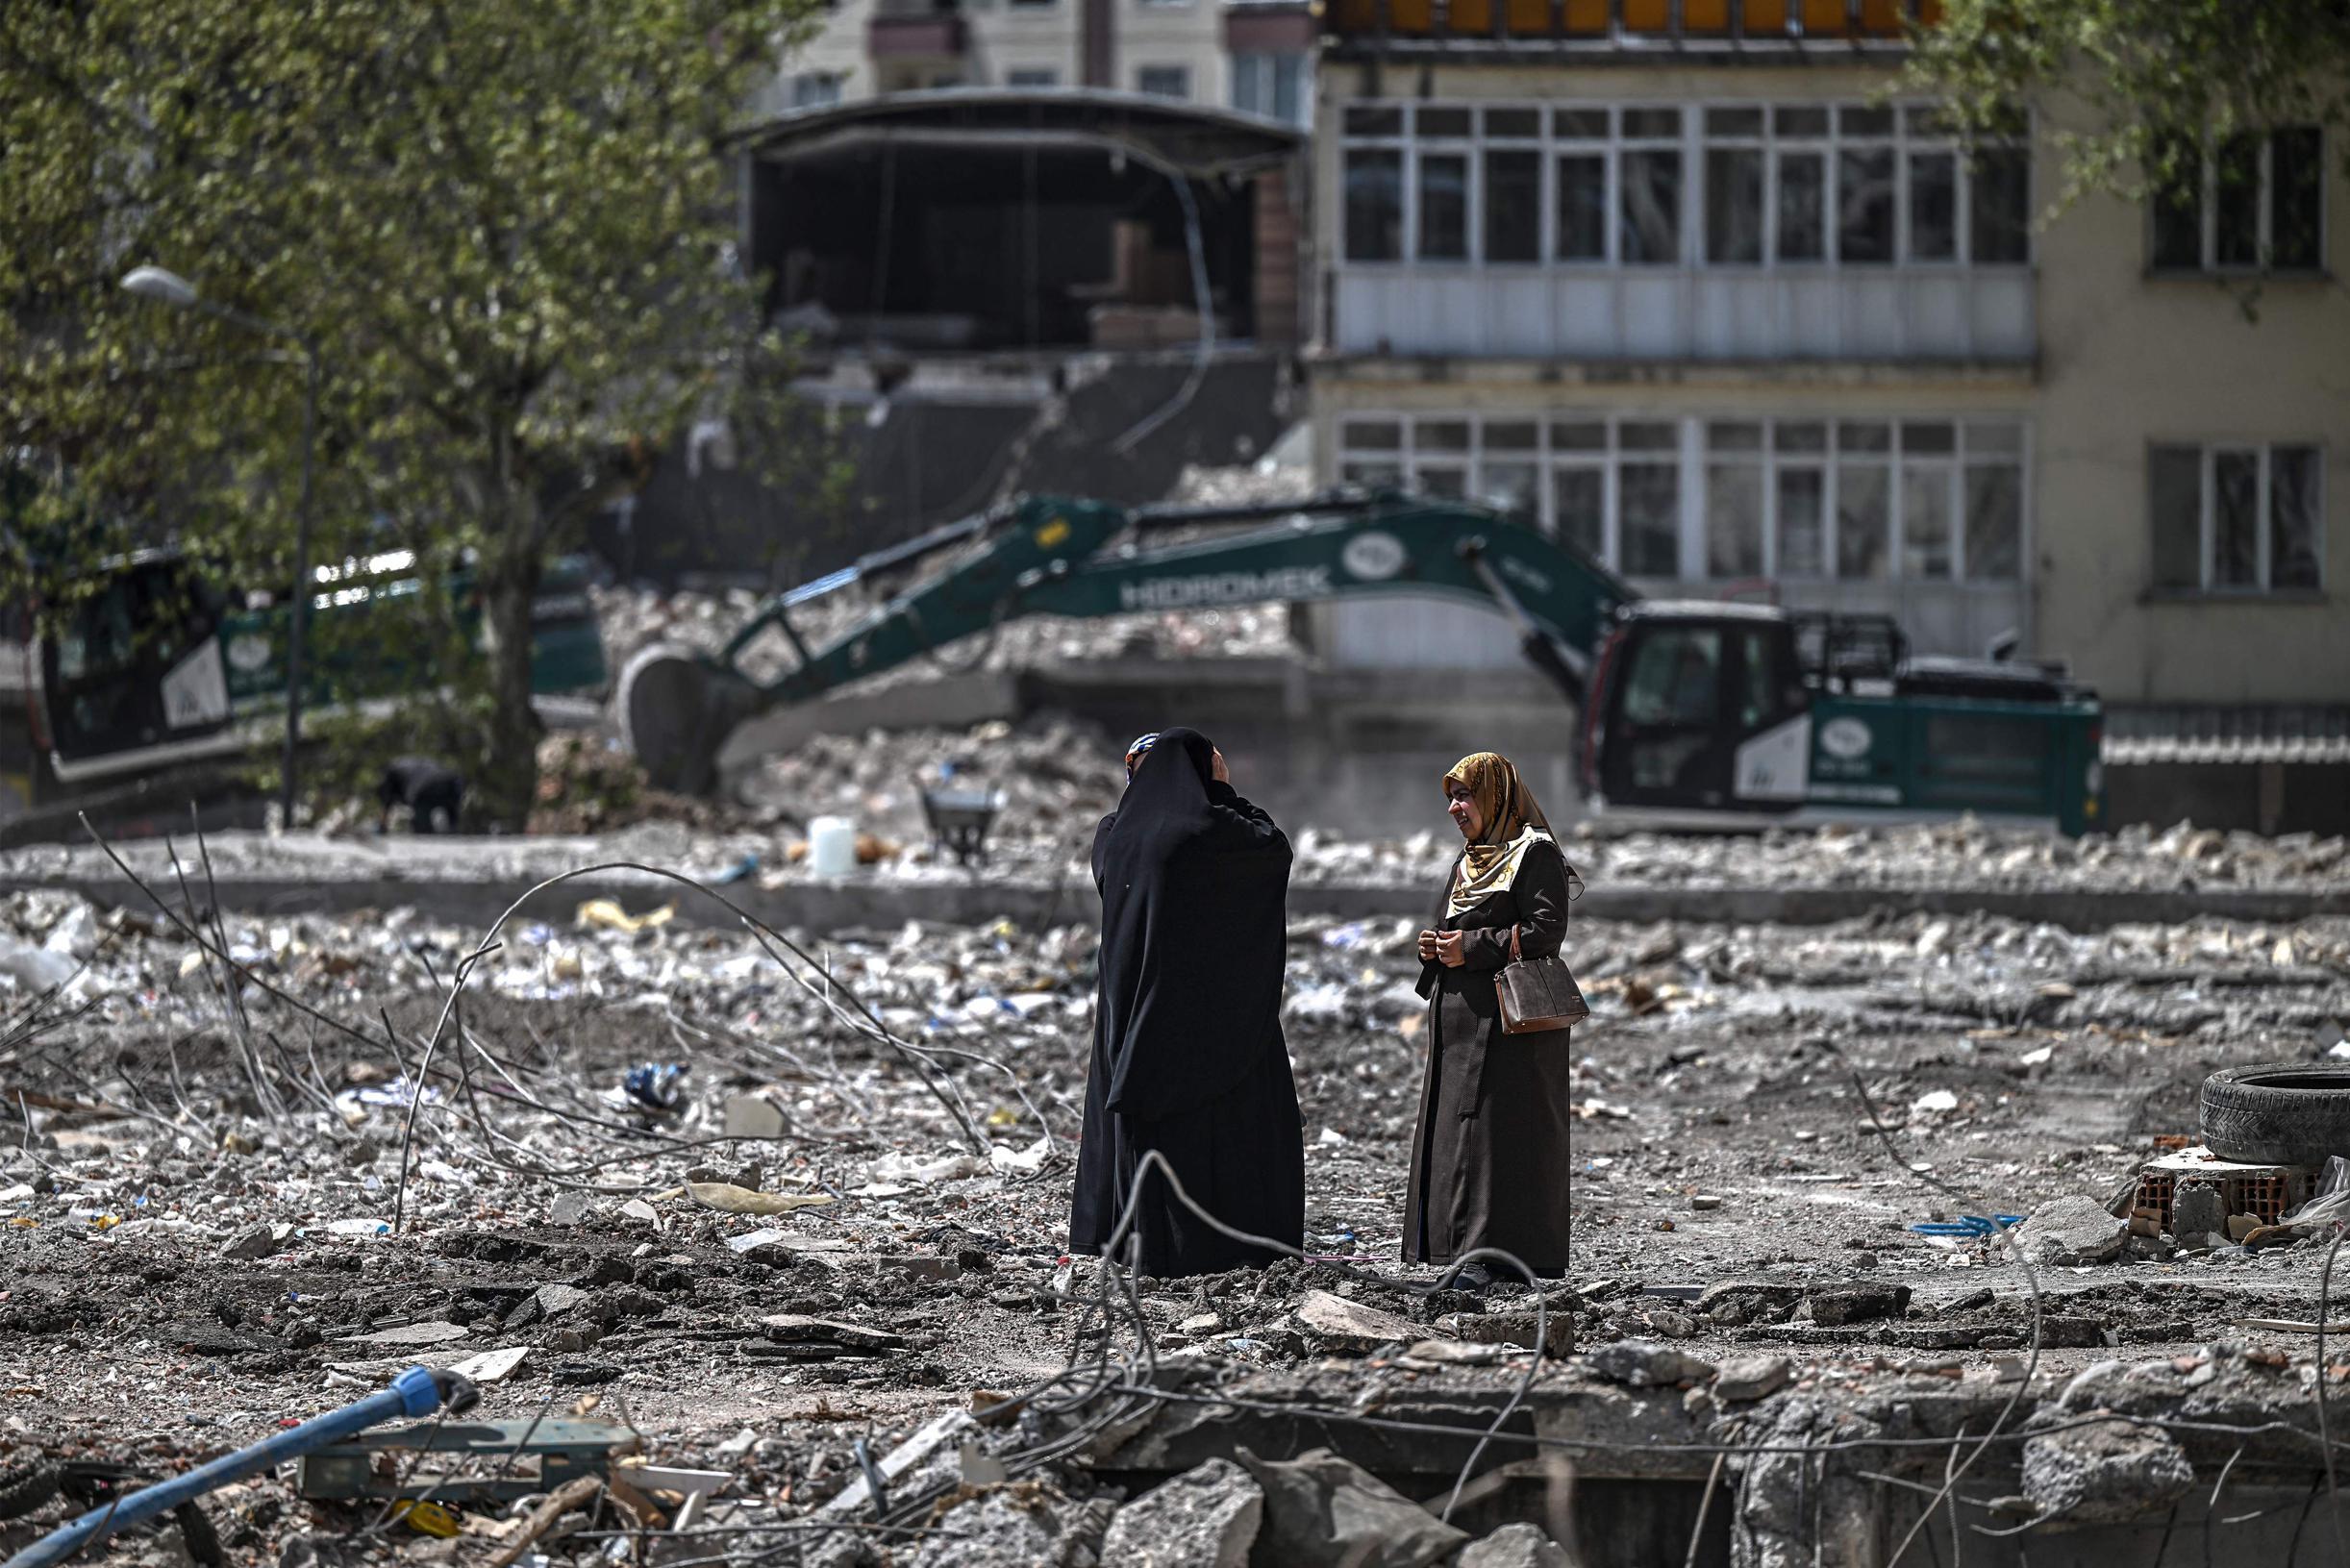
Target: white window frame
2207	219
1467	146
1911	133
1183	67
1692	455
2207	513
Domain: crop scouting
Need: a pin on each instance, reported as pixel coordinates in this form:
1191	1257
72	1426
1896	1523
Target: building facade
1694	287
1255	56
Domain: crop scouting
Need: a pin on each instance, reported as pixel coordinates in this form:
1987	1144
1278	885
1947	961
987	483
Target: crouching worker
1188	1060
435	795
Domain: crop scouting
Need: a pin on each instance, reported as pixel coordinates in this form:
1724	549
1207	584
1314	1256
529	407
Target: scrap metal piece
474	1461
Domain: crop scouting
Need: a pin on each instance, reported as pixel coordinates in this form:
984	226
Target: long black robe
1187	1052
1490	1160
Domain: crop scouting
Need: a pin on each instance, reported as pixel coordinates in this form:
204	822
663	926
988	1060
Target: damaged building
995	291
1695	288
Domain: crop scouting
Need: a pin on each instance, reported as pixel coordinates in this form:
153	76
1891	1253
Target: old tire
26	1487
2288	1115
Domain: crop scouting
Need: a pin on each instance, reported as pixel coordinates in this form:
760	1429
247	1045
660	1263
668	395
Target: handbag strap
1515	957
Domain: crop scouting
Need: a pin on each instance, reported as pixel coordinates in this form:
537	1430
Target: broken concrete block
920	1266
2241	1226
2105	1473
2197	1208
410	1335
493	1367
792	1329
1204	1518
1744	1378
753	1117
1334	1322
1648	1363
252	1243
1515	1546
1011	1527
2067	1231
1514	1328
555	1300
1734	1302
1322	1511
1835	1306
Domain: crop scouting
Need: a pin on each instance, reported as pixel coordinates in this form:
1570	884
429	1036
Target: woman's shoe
1471	1277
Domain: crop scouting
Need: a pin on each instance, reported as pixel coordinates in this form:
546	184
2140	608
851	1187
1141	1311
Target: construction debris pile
786	1212
635	618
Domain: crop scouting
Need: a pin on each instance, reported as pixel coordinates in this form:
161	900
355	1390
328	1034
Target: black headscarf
1194	882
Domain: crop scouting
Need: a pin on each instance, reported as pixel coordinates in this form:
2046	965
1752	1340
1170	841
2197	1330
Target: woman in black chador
1187	1054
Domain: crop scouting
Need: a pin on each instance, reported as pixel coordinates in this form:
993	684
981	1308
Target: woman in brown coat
1490	1158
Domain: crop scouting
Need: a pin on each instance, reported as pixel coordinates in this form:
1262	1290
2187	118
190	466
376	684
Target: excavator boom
1698	714
1057	556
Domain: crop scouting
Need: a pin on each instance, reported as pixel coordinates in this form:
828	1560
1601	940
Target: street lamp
171	288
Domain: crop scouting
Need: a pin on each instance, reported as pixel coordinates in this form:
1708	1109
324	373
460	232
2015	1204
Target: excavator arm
1045	555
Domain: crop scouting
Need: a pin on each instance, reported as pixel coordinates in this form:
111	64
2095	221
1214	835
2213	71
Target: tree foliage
2162	80
508	226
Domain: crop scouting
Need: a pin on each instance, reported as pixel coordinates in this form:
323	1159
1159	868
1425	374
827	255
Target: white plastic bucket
832	846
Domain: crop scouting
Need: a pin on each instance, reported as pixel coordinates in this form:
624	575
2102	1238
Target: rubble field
771	1202
1057	778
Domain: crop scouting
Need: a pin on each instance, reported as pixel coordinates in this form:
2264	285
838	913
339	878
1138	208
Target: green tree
508	227
2161	81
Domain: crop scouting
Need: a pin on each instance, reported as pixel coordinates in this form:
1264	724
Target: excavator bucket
677	710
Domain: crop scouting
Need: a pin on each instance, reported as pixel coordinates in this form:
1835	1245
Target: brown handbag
1538	994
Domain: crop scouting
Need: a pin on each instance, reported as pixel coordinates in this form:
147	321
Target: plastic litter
656	1085
728	1198
1967	1224
607	914
36	968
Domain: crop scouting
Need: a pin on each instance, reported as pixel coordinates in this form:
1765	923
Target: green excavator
1693	714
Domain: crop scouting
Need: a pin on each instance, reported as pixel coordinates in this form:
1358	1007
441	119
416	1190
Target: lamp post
171	288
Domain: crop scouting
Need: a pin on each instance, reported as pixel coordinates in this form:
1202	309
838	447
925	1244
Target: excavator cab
1725	716
1697	709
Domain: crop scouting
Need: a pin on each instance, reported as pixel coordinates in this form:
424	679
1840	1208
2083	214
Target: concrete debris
1833	1305
255	1242
753	1117
937	1283
1512	1328
410	1335
493	1367
1205	1518
1345	1324
2104	1472
1021	1525
1744	1378
2071	1230
1324	1511
1647	1363
793	1328
555	1300
2199	1214
1515	1546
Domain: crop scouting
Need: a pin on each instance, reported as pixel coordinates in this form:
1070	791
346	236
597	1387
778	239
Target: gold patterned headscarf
1512	823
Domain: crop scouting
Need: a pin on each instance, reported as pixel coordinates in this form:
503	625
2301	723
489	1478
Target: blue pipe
414	1392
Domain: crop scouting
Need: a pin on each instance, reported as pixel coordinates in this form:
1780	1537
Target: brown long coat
1490	1157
